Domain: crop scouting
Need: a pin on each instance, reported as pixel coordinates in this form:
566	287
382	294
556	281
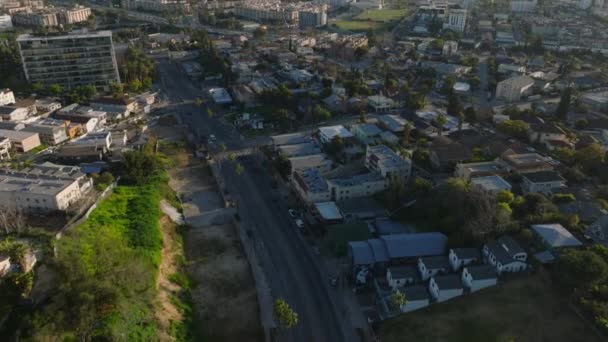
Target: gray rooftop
543	176
415	245
400	272
480	272
555	235
448	282
467	253
291	139
394	123
311	180
369	129
357	180
491	183
417	292
436	262
383	155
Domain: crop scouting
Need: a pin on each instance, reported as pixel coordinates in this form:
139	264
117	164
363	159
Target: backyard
526	309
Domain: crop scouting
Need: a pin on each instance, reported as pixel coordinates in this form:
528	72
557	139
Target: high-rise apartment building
70	60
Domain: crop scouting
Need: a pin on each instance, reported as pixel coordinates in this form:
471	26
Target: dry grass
224	296
526	309
170	254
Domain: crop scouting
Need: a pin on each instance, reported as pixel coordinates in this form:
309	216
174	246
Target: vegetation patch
382	15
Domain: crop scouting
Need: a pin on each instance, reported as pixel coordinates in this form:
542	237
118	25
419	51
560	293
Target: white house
10	113
542	181
478	277
463	257
390	165
433	265
6	97
381	103
417	298
327	133
5	265
506	255
446	287
400	276
512	89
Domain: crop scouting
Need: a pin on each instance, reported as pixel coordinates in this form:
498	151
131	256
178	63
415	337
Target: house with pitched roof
506	255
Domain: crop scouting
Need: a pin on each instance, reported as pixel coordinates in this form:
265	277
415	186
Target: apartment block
70	60
390	165
51	131
20	140
42	188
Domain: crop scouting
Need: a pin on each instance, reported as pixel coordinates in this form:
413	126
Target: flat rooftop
77	35
382	155
491	183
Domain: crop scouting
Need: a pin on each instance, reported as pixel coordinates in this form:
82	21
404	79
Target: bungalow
542	181
400	276
478	277
326	134
367	133
549	135
463	257
446	287
393	123
431	266
555	236
506	255
417	298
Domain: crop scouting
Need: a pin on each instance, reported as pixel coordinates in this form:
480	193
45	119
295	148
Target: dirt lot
526	309
171	252
225	302
224	294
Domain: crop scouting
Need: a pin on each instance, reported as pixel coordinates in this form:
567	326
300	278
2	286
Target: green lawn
527	309
355	25
382	15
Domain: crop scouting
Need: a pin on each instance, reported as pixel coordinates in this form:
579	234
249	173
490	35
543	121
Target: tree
470	115
580	269
417	101
117	89
198	102
515	128
454	106
505	196
564	104
140	167
238	169
361	51
440	121
320	113
287	317
55	89
398	299
259	32
135	85
210	113
407	132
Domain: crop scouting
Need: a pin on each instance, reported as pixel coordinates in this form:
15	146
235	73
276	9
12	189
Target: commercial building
118	108
267	11
46	187
5	148
523	6
512	89
11	113
156	5
70	60
456	20
313	161
310	186
36	19
313	17
74	15
6	97
51	131
327	133
596	101
6	23
22	141
363	185
390	165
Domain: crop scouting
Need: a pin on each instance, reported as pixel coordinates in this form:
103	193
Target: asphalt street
290	267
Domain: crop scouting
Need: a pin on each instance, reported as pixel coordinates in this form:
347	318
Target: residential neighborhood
304	171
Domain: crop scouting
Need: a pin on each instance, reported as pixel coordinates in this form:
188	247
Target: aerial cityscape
287	170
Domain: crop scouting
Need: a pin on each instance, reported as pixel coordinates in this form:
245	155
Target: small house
478	277
5	265
555	236
542	181
446	287
506	255
433	265
460	257
402	275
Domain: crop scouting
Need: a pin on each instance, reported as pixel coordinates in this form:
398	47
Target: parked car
292	213
300	223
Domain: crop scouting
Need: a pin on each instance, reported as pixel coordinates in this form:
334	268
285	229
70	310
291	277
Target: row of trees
138	71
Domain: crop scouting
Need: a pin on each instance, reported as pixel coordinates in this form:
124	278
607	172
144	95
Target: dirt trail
171	251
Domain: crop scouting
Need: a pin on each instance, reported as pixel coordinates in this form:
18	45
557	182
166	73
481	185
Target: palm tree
440	121
407	132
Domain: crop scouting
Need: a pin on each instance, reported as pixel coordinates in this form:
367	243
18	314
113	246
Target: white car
212	137
300	223
292	213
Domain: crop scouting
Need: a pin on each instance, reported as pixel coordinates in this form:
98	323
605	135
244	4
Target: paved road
291	269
